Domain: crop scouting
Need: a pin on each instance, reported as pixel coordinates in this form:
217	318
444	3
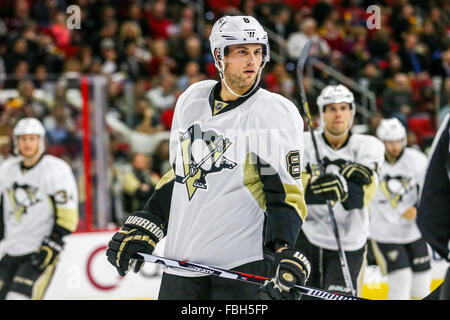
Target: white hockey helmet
335	94
233	30
29	126
390	130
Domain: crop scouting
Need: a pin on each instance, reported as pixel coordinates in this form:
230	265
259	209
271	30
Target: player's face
337	117
242	64
28	145
394	148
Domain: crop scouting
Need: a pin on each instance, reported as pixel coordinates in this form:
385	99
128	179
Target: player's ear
217	55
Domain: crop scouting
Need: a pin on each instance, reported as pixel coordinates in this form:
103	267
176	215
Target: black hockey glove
291	268
357	173
140	233
329	187
48	252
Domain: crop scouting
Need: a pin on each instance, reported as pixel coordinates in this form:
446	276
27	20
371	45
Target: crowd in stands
152	50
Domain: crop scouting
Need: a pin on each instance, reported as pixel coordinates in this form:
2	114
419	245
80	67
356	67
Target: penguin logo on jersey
22	197
394	188
331	166
203	154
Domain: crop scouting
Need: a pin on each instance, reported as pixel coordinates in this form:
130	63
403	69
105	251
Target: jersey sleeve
276	147
370	154
433	213
64	197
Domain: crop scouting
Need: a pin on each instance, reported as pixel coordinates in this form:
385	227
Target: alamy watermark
374	20
73	20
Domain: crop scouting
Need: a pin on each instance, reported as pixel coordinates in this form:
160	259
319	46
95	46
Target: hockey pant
407	267
326	271
20	279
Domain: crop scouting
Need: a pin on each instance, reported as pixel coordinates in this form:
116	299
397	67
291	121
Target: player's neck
336	141
226	95
30	162
391	158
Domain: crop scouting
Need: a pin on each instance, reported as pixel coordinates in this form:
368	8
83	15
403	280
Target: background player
351	163
39	207
228	202
396	242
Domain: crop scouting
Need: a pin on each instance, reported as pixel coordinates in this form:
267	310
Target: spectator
403	21
297	40
374	77
379	45
109	56
359	54
18	52
146	120
5	148
374	122
322	10
398	101
139	183
413	55
441	66
135	14
21	14
161	162
279	80
394	66
160	26
41	78
59	31
130	32
332	33
131	64
85	57
162	97
21	72
176	44
280	21
191	75
108	31
26	91
60	131
160	56
193	50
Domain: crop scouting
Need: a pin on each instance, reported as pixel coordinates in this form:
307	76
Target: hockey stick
300	67
235	275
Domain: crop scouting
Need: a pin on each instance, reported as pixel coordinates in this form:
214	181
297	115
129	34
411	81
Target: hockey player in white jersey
396	241
39	206
234	198
349	180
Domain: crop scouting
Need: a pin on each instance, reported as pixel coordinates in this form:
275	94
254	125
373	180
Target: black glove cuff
147	223
54	241
294	257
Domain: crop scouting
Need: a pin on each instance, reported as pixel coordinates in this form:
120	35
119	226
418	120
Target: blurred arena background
103	76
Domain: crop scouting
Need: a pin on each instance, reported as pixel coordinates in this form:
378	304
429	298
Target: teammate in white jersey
396	241
39	206
349	180
234	197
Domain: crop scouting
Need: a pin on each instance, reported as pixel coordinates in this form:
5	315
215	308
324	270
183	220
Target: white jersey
34	201
398	191
353	224
237	173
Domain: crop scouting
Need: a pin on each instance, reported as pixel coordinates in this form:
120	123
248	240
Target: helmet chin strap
222	76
